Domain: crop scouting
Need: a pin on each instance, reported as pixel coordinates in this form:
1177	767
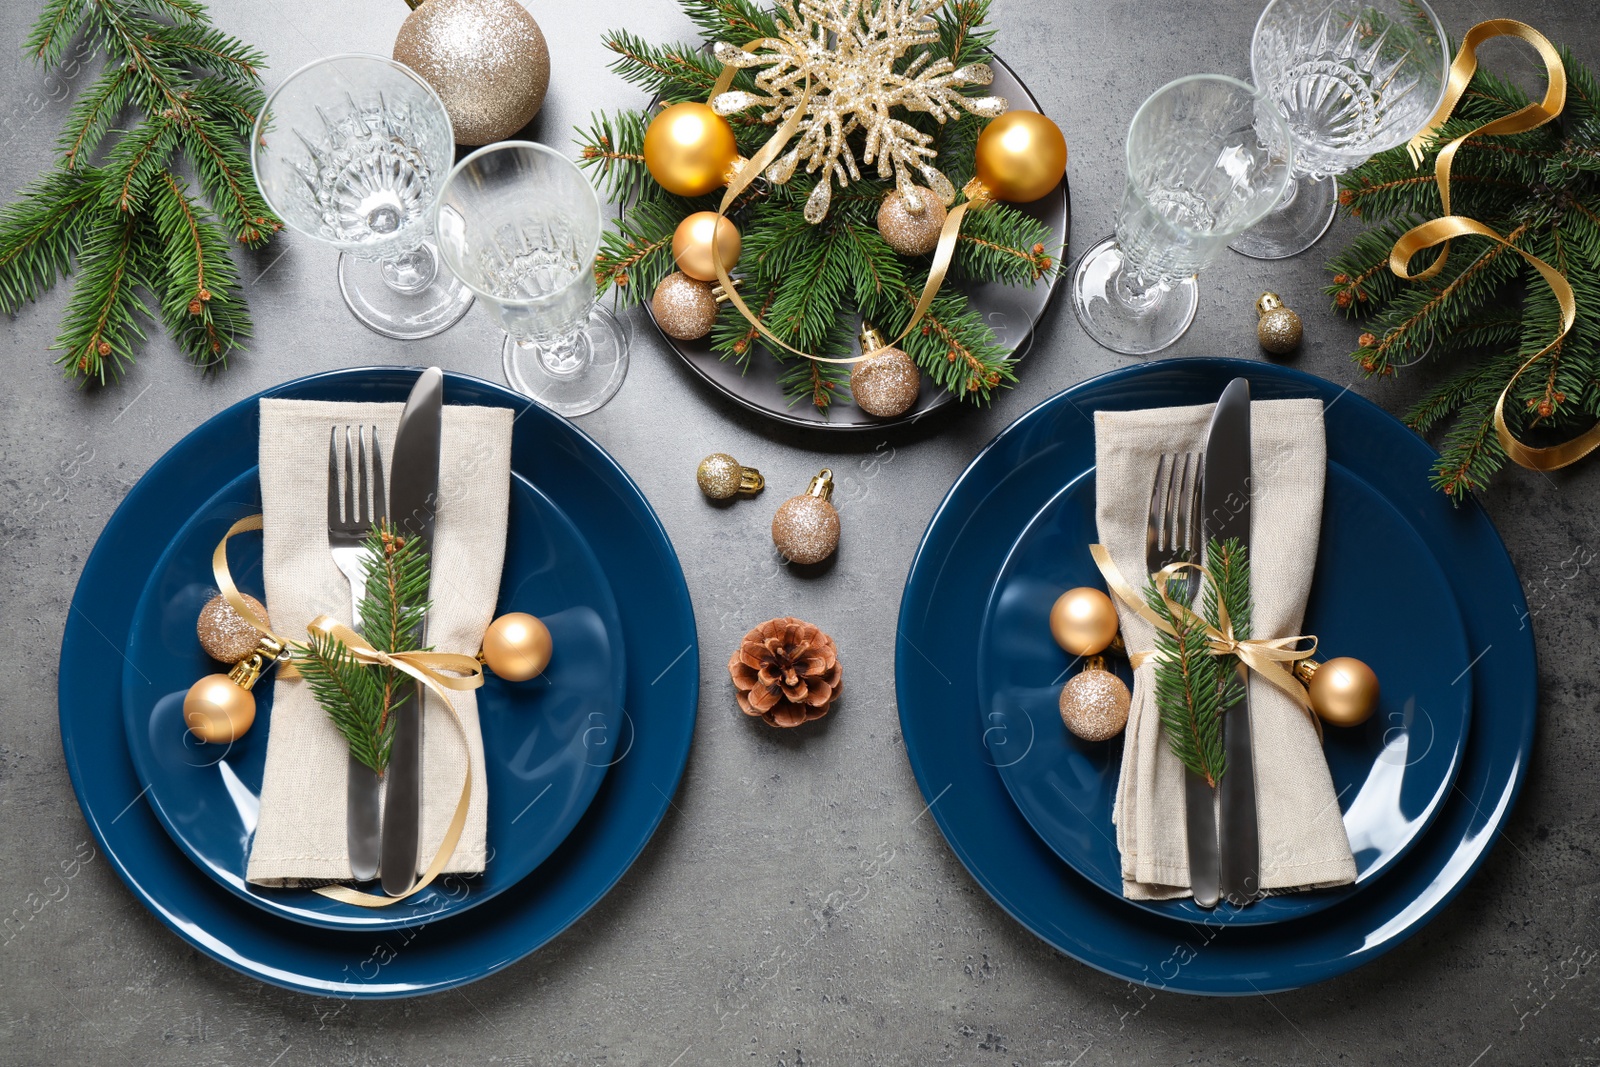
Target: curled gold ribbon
1440	231
1265	656
441	672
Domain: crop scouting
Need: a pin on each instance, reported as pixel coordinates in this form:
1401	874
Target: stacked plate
580	764
1423	786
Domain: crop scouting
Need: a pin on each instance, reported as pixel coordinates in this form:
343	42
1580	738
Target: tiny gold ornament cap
805	528
1343	691
721	477
1278	329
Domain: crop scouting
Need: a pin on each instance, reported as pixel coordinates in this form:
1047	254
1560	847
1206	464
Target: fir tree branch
39	234
102	317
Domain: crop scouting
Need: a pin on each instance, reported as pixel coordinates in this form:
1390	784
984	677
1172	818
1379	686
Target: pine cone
787	672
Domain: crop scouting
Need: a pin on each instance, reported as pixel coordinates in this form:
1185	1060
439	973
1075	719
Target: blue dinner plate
1391	775
942	616
651	746
546	744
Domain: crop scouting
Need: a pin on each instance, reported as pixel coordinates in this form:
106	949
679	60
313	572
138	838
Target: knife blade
413	500
1226	500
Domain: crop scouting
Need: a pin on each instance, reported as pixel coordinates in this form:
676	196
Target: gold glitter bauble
1094	703
689	149
720	476
218	710
806	527
911	233
517	647
1344	691
1278	329
487	60
684	308
1021	156
886	384
701	240
223	632
1083	621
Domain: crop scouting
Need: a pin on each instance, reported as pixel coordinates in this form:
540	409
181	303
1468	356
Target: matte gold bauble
1094	702
1021	156
1083	621
487	60
1278	329
806	527
218	709
1344	691
911	233
684	307
701	240
721	477
689	149
886	384
517	647
223	632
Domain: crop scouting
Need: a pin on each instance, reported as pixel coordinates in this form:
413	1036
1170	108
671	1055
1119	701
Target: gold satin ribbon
1265	656
439	671
1440	231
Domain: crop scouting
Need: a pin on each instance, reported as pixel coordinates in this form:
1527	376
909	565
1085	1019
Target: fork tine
333	477
1172	531
349	481
1157	520
1183	525
380	503
364	517
1196	518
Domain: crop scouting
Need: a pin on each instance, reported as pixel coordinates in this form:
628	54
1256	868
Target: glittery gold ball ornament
517	647
684	307
1083	621
487	60
701	240
1278	329
911	233
223	632
689	149
886	384
1094	702
1020	156
1343	691
720	477
806	527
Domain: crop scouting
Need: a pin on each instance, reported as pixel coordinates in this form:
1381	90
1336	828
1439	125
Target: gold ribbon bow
441	672
1440	231
1266	656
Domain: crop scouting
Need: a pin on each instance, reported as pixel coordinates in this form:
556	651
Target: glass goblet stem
410	272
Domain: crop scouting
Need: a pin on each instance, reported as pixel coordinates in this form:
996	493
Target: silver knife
413	498
1226	499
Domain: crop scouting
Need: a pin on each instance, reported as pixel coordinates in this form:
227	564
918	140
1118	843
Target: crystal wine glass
520	224
350	151
1353	78
1198	175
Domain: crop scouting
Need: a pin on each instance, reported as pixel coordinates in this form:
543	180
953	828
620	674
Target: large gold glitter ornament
1278	329
223	632
1094	703
1020	156
720	477
911	233
806	527
701	240
487	60
689	150
850	52
684	307
886	384
516	647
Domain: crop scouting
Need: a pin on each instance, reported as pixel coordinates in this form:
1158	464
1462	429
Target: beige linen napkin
300	837
1303	843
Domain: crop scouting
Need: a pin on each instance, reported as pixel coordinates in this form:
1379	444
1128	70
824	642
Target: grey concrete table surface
739	936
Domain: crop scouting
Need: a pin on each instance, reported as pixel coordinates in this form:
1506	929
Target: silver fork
1172	535
350	519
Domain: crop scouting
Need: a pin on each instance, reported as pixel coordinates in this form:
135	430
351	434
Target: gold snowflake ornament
849	50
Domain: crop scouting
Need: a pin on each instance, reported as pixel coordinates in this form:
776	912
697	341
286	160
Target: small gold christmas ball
886	384
689	149
1344	692
487	60
806	529
1094	704
223	632
517	647
1278	329
1021	156
684	307
911	233
701	240
720	476
218	710
1083	621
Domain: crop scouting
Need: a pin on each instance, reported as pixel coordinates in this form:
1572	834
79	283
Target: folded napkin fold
1303	842
300	836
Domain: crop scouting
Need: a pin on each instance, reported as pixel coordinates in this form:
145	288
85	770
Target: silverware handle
1200	821
1241	841
402	805
362	828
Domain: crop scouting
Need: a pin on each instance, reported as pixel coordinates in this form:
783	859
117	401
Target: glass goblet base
575	378
1122	315
407	298
1295	224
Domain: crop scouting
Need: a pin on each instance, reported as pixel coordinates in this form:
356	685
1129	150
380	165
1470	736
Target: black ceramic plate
1011	311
